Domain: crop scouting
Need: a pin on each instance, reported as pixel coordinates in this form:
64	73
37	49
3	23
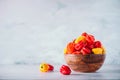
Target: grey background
35	31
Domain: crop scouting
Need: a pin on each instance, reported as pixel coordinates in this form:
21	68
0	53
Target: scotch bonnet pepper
44	67
85	44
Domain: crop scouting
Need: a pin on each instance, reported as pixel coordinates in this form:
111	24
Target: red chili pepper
90	46
65	70
78	46
50	67
84	34
90	39
97	44
85	51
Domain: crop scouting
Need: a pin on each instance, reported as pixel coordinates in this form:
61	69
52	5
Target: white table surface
31	72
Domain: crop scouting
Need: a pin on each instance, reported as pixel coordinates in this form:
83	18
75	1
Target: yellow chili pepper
65	50
97	50
104	51
80	38
44	67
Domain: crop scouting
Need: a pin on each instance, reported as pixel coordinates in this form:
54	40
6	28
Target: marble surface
31	72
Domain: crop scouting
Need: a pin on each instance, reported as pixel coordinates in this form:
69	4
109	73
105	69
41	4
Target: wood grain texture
85	63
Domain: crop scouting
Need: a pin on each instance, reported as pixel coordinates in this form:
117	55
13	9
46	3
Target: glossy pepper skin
85	44
97	44
85	51
65	70
50	67
44	67
70	47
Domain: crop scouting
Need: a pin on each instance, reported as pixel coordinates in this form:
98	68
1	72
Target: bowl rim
84	55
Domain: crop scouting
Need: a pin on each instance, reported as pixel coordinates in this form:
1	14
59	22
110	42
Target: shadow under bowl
85	63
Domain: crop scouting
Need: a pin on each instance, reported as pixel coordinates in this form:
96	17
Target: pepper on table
44	67
65	70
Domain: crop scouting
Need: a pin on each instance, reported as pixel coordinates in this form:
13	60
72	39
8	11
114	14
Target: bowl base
85	63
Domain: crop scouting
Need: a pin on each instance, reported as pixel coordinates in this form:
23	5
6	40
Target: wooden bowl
85	63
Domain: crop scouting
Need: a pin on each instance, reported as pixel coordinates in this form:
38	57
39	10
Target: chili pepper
104	50
84	34
85	51
76	52
80	38
65	50
43	67
90	39
97	50
70	47
97	44
65	70
79	45
50	67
